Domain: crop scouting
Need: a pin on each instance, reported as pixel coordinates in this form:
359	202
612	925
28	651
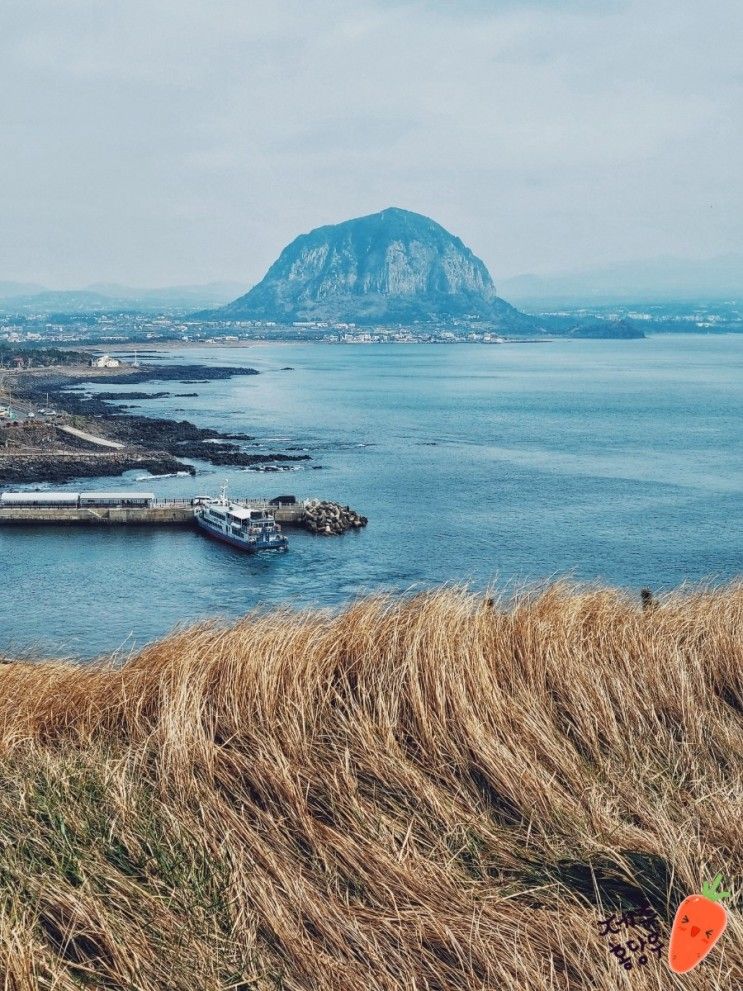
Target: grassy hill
436	793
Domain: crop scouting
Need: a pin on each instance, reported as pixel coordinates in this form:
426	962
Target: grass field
432	793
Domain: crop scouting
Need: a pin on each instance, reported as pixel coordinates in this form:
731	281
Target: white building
105	361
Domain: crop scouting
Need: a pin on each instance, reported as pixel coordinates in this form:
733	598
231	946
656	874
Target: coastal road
92	439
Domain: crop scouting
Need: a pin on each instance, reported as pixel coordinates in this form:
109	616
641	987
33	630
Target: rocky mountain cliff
393	266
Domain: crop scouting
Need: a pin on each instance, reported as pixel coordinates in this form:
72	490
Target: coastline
128	347
43	450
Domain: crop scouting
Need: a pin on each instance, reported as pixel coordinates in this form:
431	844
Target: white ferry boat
242	526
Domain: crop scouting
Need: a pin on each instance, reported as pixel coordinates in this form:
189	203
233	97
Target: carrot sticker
699	923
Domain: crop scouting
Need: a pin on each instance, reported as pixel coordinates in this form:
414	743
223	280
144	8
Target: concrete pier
155	515
162	513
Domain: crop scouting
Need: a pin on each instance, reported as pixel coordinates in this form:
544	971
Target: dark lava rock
149	436
222	457
65	468
174	373
157	431
106	396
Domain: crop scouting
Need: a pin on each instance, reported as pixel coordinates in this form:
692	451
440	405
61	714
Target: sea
495	466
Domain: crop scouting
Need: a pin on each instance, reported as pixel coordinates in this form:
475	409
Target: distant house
105	361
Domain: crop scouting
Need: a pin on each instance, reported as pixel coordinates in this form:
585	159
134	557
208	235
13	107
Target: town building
105	361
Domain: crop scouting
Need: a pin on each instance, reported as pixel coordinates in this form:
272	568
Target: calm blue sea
618	461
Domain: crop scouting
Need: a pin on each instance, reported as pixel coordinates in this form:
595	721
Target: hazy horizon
663	278
187	143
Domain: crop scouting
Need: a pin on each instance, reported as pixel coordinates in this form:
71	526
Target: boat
245	527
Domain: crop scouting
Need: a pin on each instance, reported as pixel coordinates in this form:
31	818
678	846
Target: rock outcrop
390	267
608	330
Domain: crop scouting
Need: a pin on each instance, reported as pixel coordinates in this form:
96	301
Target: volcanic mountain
390	267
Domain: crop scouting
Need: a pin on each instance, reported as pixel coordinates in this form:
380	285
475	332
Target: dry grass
420	794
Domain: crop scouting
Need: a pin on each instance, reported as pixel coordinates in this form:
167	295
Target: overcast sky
153	142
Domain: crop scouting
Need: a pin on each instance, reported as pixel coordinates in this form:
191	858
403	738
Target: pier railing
256	503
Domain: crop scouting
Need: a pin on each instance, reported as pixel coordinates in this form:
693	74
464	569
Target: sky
157	142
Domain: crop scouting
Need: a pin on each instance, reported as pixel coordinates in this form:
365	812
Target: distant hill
20	298
651	280
8	290
211	293
390	267
60	301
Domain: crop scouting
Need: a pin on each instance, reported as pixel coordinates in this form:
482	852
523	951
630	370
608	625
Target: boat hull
247	548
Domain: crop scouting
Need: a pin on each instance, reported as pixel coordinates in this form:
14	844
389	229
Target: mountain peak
388	267
396	214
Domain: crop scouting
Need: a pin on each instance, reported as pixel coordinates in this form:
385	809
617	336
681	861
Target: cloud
175	140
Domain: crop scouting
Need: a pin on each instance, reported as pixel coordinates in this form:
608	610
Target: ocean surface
507	464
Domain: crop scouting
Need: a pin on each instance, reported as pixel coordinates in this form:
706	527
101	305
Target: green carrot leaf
710	889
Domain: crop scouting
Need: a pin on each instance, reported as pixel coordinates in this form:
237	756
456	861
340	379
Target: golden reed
443	792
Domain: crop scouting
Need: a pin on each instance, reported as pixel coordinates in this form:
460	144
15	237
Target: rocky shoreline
153	444
116	396
172	373
90	437
59	468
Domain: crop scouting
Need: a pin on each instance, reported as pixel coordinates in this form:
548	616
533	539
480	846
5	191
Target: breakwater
331	518
170	514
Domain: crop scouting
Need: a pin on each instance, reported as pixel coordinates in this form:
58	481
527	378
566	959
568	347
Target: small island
608	330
